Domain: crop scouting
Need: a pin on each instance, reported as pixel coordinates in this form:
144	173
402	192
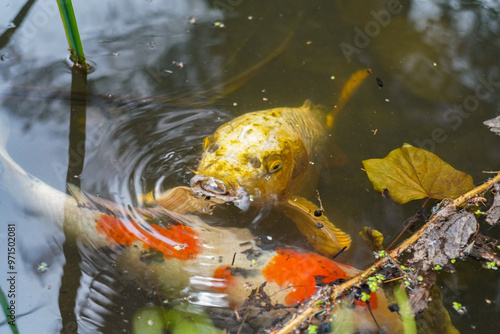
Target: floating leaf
372	238
410	173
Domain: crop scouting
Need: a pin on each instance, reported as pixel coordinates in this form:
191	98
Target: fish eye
273	163
276	166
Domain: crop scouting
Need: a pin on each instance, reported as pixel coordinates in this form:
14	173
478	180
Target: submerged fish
177	254
272	158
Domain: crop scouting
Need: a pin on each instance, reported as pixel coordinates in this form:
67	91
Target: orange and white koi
166	252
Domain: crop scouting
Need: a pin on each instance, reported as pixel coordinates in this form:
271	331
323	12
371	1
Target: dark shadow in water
5	37
70	280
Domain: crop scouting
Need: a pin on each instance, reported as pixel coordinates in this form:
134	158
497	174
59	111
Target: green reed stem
71	28
5	306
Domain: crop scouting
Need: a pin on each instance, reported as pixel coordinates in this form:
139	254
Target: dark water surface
162	83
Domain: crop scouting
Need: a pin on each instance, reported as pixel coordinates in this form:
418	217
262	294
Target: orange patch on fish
298	271
174	241
115	231
224	273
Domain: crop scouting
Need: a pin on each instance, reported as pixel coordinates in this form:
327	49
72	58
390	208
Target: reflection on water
153	101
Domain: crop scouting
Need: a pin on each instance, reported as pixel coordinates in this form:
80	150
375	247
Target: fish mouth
220	192
213	188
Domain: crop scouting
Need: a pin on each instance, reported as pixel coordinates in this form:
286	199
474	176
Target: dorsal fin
307	104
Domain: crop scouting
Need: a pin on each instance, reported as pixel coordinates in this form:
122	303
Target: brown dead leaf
410	173
493	214
444	240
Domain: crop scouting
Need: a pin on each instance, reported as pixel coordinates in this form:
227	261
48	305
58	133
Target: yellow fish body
262	156
269	157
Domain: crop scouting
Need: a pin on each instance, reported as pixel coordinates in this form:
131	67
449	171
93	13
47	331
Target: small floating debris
178	64
42	267
459	308
379	82
219	24
180	247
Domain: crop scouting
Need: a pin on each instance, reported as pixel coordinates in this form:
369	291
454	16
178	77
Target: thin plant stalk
5	306
71	28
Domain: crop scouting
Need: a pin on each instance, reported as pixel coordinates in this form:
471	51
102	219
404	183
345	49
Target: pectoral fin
180	200
320	232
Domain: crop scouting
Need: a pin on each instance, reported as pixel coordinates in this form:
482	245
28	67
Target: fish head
245	162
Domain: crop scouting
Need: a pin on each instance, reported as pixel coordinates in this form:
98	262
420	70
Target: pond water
168	73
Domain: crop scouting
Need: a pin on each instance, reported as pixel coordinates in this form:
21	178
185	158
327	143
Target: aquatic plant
5	307
72	33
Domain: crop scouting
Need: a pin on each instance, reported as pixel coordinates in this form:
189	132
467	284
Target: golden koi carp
270	157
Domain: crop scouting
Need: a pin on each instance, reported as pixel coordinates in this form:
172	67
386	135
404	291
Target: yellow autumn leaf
410	173
372	238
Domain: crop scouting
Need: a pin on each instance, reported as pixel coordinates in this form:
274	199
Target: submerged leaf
372	238
410	173
493	213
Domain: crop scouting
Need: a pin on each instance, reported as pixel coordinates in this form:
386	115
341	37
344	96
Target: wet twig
337	292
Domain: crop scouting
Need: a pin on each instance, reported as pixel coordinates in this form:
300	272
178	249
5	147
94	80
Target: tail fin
349	89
